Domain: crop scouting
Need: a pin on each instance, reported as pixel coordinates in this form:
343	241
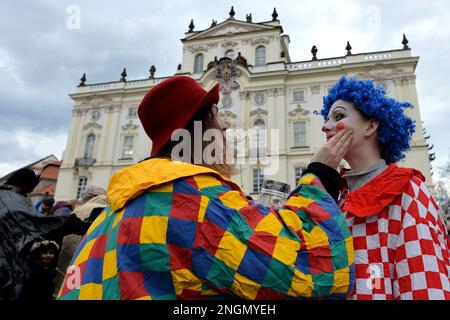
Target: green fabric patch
154	257
111	289
220	275
278	276
158	204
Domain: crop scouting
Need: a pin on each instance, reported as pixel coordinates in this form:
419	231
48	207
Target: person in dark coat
39	284
20	224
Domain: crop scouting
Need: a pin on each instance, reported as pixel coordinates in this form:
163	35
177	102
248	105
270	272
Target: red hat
170	105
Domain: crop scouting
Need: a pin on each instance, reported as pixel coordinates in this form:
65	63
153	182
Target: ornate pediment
258	112
130	127
230	27
298	111
227	114
92	125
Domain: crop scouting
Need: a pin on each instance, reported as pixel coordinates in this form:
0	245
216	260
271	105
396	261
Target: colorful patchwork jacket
180	231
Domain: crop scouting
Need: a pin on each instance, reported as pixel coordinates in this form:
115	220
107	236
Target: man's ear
372	127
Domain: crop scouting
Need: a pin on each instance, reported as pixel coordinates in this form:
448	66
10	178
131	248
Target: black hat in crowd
24	178
48	201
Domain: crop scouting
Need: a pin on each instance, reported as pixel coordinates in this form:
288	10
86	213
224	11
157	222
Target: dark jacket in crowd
39	285
20	224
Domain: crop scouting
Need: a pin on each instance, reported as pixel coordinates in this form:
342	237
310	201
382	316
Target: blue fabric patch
181	232
201	262
302	262
135	208
128	257
93	272
254	265
158	283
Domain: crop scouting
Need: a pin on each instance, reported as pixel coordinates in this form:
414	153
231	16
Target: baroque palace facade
260	88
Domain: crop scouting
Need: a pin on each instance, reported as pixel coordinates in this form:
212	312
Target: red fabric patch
415	264
359	243
180	258
99	247
374	255
372	228
185	206
362	271
423	198
400	253
262	242
252	215
427	247
130	231
188	294
404	284
420	294
320	260
269	294
208	236
132	285
433	280
317	213
410	233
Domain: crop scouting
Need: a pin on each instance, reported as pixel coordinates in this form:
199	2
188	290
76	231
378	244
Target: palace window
300	134
82	184
298	96
260	56
260	138
89	148
132	112
258	179
128	142
198	63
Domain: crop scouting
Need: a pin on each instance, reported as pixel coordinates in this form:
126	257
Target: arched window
89	148
198	63
260	56
260	137
229	54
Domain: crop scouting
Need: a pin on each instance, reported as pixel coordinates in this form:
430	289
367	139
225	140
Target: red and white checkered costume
400	241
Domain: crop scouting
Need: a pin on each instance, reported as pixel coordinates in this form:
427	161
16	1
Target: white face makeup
340	111
352	119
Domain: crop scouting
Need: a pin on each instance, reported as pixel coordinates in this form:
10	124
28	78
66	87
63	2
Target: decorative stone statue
314	52
226	74
241	60
83	80
152	72
124	75
191	26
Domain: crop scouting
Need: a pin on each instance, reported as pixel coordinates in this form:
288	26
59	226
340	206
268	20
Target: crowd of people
38	241
170	229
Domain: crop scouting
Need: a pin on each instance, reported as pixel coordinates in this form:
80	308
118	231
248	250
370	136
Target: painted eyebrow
342	107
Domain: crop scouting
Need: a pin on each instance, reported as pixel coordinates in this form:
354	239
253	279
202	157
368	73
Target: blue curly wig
395	128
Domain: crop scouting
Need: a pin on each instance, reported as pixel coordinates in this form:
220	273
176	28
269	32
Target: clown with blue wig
400	242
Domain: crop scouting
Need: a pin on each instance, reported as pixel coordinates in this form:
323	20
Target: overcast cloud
42	60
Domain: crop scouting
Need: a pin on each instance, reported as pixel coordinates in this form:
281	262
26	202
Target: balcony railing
84	162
